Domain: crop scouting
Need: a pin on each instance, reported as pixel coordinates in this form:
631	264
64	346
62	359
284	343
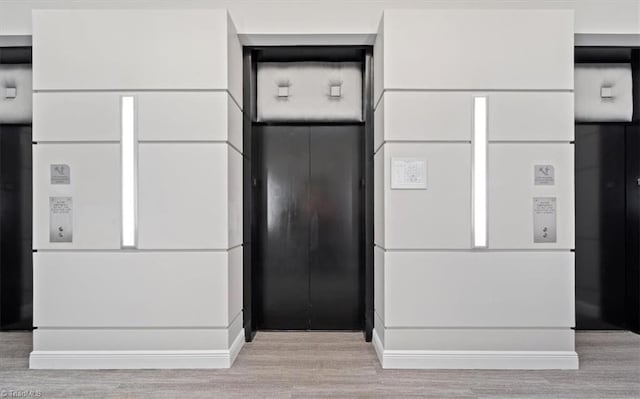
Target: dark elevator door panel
16	271
335	248
600	226
309	227
283	223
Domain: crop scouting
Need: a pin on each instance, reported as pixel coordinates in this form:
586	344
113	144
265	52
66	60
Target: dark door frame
251	55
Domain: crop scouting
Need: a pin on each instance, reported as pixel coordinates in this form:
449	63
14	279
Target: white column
145	108
463	277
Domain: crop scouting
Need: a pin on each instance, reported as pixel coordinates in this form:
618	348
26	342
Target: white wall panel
235	329
378	125
235	286
123	339
480	339
130	289
235	61
185	115
378	63
479	289
235	121
85	116
378	281
447	116
478	49
162	116
378	197
235	195
94	188
183	196
355	17
130	49
440	116
438	217
512	189
378	327
526	116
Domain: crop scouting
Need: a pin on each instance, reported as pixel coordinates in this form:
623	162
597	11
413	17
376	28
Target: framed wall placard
409	173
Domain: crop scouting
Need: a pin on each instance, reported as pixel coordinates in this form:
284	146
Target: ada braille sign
544	175
544	219
60	174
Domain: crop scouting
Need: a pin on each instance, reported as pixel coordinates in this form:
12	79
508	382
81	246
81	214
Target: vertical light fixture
479	143
129	162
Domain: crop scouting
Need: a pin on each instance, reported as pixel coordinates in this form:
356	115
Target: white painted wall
176	299
355	17
439	302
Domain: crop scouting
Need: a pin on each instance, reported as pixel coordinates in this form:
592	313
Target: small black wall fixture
252	55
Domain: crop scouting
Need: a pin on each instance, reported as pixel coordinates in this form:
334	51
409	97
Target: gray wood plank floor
332	365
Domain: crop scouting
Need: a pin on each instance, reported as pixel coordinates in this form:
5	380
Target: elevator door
600	226
16	271
310	213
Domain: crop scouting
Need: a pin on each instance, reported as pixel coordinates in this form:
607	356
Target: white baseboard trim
131	359
498	360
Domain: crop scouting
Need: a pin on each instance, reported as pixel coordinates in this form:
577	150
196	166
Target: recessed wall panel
185	116
513	185
130	49
438	116
379	197
235	285
480	339
94	189
76	116
531	116
183	196
378	125
378	277
438	217
478	49
130	289
235	193
130	339
479	289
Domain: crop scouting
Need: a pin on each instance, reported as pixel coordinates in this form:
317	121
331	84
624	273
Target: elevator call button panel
544	220
60	219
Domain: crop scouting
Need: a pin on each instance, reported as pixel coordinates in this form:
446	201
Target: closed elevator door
310	242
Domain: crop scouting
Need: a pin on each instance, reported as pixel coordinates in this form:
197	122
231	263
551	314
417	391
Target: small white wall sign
409	173
544	219
60	219
544	175
60	174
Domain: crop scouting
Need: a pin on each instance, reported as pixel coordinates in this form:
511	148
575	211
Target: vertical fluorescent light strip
128	148
480	172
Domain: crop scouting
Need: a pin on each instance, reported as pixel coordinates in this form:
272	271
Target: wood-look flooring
331	365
